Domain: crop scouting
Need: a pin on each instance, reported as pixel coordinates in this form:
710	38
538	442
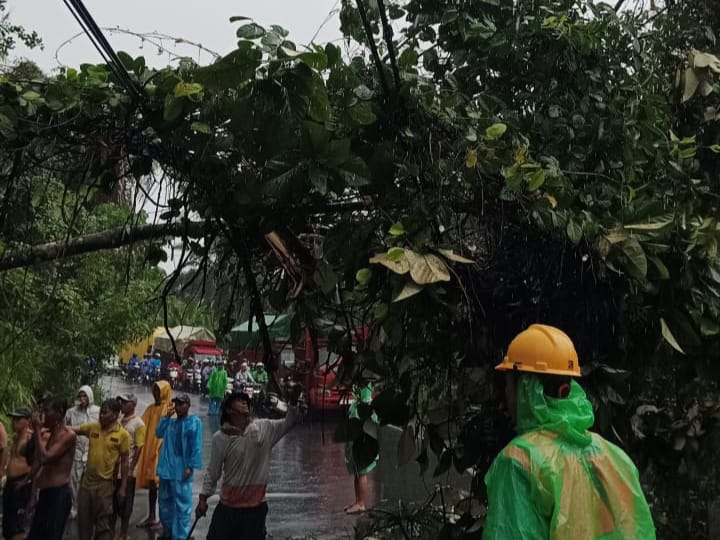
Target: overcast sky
204	22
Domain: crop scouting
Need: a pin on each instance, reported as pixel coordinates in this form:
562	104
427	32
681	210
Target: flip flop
147	524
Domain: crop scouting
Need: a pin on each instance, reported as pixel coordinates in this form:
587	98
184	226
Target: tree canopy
469	170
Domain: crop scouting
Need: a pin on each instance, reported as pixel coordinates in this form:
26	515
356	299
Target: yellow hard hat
542	349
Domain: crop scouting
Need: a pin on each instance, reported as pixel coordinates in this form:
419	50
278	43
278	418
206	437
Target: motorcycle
174	377
273	406
197	381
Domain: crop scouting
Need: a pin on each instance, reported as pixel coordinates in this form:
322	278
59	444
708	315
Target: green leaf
325	278
317	135
660	267
183	89
537	179
574	231
126	60
714	148
635	259
355	172
250	31
471	159
397	229
363	92
232	70
362	114
316	59
363	276
333	54
408	57
201	127
319	104
31	96
495	131
173	108
319	179
239	18
7	128
395	253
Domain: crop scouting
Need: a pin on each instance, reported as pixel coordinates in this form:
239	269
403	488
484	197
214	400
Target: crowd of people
84	463
555	479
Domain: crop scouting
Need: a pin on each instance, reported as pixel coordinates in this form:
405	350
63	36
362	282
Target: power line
101	44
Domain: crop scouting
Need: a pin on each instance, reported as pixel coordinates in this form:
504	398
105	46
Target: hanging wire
90	27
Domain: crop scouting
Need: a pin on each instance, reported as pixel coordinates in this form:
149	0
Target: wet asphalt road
308	486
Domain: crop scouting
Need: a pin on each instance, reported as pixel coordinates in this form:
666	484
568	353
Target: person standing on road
360	474
84	412
136	429
16	493
217	385
180	456
240	454
147	466
109	449
556	479
54	449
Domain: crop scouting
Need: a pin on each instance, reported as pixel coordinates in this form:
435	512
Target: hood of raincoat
570	417
165	390
89	393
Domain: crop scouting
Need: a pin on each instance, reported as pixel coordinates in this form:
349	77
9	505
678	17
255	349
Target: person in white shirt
240	454
84	412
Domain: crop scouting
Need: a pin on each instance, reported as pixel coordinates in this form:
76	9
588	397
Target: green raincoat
217	383
360	395
558	481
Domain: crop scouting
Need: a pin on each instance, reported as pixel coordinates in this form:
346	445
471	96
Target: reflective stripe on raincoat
558	481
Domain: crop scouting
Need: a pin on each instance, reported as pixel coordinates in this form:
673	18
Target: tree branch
373	47
388	33
109	239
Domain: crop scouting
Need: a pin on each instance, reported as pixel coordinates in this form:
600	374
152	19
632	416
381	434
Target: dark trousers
51	513
16	496
238	523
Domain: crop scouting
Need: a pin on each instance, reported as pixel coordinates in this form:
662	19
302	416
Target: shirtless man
16	494
53	481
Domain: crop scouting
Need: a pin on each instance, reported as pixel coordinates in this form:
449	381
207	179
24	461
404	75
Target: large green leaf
250	31
634	259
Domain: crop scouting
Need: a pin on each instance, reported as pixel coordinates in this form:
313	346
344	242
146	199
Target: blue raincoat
181	449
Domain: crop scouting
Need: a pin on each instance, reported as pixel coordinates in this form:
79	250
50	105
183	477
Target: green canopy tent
242	338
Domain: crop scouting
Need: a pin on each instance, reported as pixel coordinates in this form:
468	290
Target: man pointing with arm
241	455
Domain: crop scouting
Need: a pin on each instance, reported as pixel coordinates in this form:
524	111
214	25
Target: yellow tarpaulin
141	347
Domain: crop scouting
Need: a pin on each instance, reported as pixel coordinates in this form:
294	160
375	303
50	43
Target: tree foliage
473	169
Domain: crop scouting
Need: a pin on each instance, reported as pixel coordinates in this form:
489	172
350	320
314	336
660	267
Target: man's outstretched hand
202	508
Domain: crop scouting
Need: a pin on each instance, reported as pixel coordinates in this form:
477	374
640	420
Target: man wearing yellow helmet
556	480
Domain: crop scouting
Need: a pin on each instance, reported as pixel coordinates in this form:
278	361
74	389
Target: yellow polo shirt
104	451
